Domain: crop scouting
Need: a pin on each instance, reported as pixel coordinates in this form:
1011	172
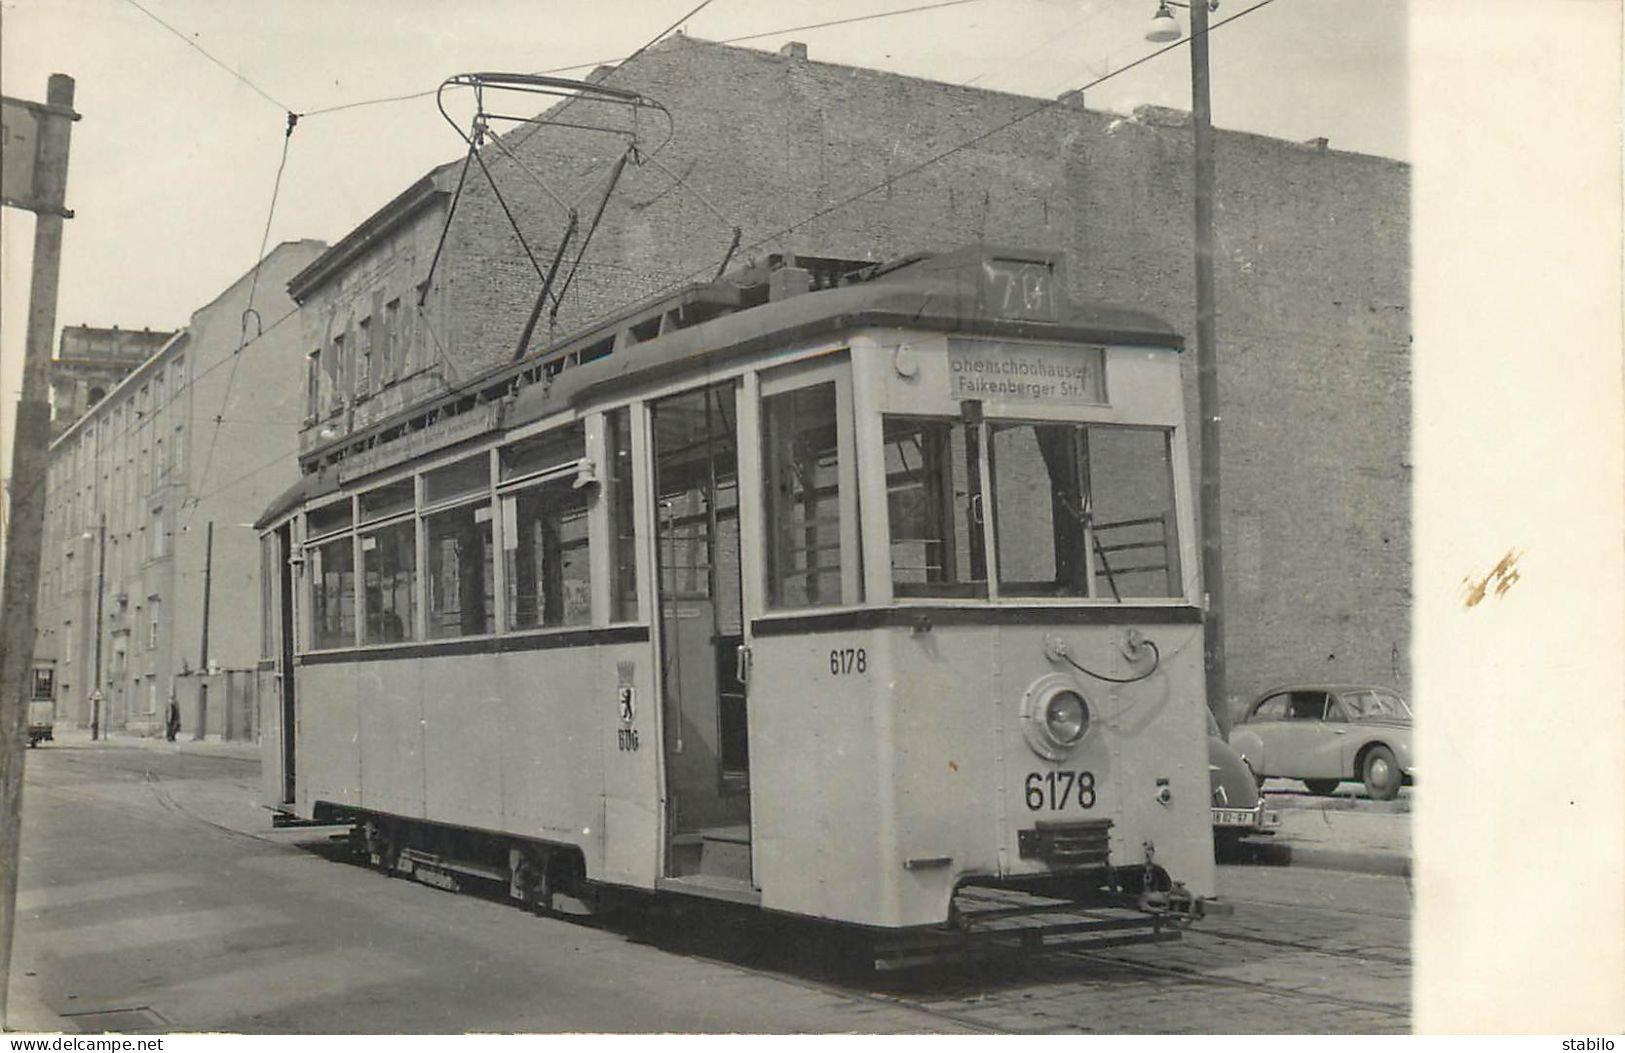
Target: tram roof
734	317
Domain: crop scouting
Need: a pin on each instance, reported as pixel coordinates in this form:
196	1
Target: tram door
704	664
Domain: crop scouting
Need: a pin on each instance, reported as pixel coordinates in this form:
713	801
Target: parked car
1238	807
1325	733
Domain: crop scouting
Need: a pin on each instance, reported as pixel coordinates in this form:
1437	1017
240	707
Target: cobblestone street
263	931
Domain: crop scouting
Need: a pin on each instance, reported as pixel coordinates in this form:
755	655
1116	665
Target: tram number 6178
1054	789
845	661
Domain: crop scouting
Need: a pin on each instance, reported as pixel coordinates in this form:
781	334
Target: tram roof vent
789	281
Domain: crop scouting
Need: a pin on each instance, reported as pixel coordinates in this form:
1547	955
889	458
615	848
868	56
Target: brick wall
1312	278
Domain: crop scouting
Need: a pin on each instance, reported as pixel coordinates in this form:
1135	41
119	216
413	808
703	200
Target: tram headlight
1054	716
1066	717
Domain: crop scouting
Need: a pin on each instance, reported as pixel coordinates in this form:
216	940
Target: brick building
1312	275
90	361
131	490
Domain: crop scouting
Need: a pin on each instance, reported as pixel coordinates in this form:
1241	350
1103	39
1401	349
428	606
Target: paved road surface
151	884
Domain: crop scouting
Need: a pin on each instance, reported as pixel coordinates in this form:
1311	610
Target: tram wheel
537	882
1381	772
1323	787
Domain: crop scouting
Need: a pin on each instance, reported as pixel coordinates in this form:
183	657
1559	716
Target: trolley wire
195	46
242	340
966	144
293	116
623	59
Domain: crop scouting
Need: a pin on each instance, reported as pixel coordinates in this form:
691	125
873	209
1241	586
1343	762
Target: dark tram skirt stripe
923	617
484	645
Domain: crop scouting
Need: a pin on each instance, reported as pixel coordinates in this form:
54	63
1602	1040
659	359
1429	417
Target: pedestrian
172	725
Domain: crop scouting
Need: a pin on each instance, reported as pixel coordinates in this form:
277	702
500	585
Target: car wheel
1323	787
1381	773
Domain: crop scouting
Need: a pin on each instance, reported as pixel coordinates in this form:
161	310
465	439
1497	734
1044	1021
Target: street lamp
1164	28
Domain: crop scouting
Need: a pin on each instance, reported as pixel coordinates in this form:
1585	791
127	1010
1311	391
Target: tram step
722	852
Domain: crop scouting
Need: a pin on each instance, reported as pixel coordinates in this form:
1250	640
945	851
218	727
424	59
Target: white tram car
828	588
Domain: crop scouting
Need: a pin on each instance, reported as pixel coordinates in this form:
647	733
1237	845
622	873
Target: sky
175	161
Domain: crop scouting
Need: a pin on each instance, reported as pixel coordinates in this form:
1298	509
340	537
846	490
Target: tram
832	588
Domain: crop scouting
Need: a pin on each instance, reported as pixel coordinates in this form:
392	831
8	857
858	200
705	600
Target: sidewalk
1342	832
79	738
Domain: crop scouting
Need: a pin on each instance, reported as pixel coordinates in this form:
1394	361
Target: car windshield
1374	704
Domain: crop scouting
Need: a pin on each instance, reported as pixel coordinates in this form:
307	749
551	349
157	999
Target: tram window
623	591
559	448
332	594
1084	511
934	500
460	572
544	529
328	518
387	500
470	475
803	500
389	559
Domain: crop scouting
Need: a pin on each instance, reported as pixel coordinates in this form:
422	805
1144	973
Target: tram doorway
703	645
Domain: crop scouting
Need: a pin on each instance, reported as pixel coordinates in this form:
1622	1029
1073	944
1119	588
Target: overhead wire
195	46
242	340
621	60
1044	107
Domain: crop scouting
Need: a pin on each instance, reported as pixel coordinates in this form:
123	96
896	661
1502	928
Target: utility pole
203	658
1207	375
40	187
101	590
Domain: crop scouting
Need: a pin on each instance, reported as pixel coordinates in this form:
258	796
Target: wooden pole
29	458
203	657
1207	376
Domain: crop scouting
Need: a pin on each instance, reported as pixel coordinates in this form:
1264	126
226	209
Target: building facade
814	159
90	361
147	500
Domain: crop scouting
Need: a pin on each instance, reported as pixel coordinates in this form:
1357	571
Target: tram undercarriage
1093	908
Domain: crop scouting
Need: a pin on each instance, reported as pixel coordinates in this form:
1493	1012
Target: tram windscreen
933	496
1084	511
1075	510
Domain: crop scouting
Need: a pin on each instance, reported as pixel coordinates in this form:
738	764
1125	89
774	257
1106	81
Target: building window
159	536
363	359
544	531
313	383
152	629
336	395
389	559
392	342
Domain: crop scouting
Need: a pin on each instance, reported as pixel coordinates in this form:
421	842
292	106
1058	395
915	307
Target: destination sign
1035	374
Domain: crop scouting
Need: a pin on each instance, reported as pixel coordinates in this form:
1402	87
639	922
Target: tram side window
548	572
1084	511
803	499
623	593
389	560
934	501
332	600
460	572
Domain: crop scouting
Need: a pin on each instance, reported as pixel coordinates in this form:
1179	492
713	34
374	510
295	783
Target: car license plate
1234	817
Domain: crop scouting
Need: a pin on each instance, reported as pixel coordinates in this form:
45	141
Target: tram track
1257	986
1293	945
